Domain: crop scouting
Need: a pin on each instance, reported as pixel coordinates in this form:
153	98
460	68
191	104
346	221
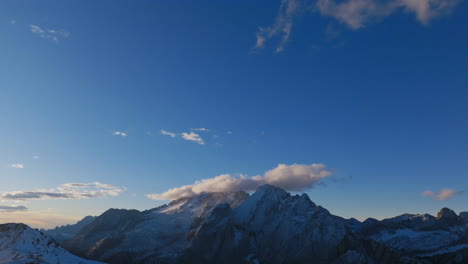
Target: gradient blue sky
379	97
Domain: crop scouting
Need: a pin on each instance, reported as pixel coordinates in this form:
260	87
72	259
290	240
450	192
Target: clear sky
99	93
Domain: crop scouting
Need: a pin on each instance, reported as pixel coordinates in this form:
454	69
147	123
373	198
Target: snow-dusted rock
62	233
272	227
163	232
418	234
20	244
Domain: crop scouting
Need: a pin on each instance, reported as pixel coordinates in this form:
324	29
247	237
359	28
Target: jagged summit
447	215
270	223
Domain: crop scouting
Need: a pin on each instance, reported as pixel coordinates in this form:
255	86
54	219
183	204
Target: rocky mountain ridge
269	226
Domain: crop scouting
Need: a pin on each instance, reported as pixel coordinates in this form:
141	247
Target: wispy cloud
50	34
12	21
17	165
427	10
35	157
296	177
119	133
8	208
88	185
66	191
282	25
442	195
193	137
200	129
355	14
167	133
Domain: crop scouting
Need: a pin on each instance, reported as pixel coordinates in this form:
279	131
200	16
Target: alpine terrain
269	226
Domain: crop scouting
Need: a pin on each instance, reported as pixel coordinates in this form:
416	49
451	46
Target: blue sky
374	90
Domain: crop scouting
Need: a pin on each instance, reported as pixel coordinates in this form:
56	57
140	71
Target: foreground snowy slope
20	244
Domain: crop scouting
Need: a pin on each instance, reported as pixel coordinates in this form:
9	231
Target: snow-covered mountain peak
270	223
20	244
271	191
165	230
202	204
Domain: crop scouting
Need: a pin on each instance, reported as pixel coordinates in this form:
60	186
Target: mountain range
269	226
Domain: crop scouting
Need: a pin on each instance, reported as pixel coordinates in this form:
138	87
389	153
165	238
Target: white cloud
88	185
282	25
427	10
66	191
442	195
167	133
193	137
200	129
355	14
36	29
35	157
296	177
17	165
358	13
50	34
12	208
119	133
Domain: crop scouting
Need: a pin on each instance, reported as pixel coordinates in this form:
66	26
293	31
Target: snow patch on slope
20	244
410	239
445	250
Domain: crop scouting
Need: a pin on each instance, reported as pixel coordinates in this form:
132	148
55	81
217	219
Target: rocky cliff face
447	216
463	217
